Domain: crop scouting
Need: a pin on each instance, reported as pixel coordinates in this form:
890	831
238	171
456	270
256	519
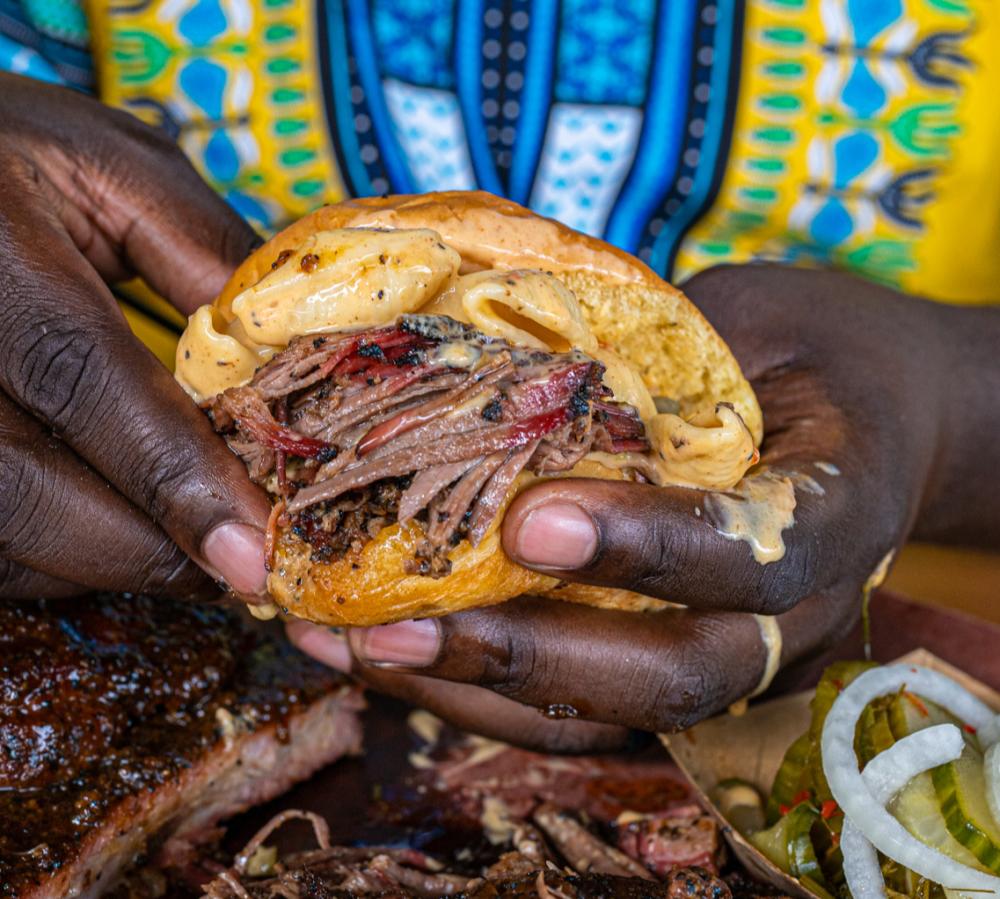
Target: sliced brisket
426	419
129	727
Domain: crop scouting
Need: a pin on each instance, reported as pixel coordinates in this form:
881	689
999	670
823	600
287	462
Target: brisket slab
426	419
129	727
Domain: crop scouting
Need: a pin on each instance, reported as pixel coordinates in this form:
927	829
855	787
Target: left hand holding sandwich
867	399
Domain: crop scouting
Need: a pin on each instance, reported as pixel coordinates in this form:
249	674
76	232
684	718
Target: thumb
669	543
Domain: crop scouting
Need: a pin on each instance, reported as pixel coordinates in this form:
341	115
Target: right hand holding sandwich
868	402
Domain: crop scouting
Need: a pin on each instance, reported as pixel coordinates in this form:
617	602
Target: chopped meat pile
426	419
130	726
580	867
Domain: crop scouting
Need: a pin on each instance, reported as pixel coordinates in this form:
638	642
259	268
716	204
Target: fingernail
412	644
236	552
556	535
323	644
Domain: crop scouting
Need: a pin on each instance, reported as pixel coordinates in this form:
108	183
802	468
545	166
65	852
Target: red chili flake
839	684
969	729
835	840
829	809
801	796
917	703
784	809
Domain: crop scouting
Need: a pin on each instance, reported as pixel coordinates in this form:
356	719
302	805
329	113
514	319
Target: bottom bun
371	586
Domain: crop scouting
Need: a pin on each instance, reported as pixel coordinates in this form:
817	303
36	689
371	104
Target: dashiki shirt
859	134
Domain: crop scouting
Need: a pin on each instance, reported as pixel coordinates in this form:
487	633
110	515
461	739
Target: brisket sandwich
394	371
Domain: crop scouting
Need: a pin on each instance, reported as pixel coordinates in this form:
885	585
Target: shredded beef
426	419
590	868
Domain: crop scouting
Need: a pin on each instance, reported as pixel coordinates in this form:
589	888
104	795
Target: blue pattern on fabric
205	82
23	60
362	38
414	40
63	20
852	155
869	17
469	74
604	51
46	39
340	105
536	95
543	100
863	94
705	147
204	22
221	158
663	128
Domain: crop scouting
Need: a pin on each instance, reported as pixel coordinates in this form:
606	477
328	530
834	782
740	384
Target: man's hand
858	388
110	478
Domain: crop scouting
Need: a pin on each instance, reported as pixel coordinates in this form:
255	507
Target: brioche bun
629	308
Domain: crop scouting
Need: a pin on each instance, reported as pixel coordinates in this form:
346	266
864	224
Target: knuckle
162	479
15	581
25	503
54	369
688	684
658	553
169	572
793	579
678	697
520	666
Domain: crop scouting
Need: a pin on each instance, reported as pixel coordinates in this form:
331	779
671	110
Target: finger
676	544
468	707
88	379
58	518
19	582
658	671
129	197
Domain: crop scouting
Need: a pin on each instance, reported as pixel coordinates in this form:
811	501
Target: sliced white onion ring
991	771
856	800
885	775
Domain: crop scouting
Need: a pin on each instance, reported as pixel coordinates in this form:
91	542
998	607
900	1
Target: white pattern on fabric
587	153
428	125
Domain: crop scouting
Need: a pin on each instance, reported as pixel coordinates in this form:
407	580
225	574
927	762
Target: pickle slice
792	778
918	809
909	713
789	843
874	734
961	790
834	679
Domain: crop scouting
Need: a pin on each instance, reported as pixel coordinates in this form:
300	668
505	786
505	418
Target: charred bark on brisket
426	419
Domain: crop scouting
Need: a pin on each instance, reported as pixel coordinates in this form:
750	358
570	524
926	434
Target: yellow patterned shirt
858	134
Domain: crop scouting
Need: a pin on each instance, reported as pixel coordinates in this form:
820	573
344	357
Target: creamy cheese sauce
350	278
757	510
713	455
881	572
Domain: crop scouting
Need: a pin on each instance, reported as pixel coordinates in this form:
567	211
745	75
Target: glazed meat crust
130	726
